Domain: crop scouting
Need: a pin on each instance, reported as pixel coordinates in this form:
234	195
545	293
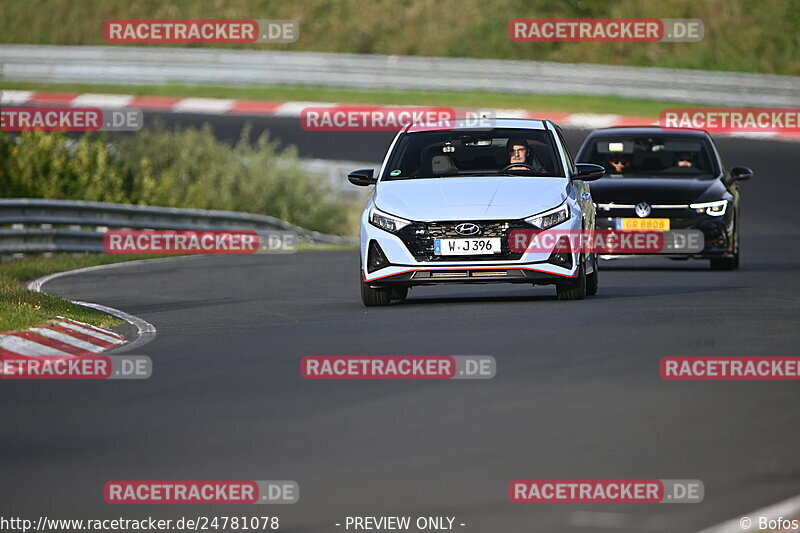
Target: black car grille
419	236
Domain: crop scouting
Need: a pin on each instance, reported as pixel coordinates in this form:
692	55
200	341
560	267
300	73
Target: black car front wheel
726	263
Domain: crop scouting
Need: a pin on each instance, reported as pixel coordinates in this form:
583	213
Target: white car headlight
385	221
552	217
715	209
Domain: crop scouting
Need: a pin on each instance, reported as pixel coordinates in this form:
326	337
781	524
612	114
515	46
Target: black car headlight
385	221
551	217
715	209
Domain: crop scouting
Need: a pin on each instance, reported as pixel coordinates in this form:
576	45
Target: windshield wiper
416	176
524	173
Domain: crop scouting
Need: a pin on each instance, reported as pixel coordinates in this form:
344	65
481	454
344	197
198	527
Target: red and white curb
63	336
59	337
292	109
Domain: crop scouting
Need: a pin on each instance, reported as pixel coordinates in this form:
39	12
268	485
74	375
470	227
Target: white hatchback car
447	199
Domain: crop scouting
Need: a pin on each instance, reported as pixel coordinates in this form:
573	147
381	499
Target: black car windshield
651	156
494	152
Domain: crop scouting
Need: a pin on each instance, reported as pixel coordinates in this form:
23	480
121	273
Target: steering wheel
512	165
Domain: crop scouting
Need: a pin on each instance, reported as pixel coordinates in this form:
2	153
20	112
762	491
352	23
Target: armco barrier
29	225
157	65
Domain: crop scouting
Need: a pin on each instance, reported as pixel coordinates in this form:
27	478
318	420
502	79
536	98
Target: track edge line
145	331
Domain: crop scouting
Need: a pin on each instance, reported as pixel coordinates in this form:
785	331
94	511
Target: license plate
485	246
646	224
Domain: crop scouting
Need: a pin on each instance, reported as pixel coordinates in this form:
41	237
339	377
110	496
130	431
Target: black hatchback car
667	179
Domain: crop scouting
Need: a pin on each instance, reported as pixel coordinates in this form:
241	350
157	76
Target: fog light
376	259
562	254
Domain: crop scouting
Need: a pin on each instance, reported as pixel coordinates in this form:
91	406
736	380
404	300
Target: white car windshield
496	152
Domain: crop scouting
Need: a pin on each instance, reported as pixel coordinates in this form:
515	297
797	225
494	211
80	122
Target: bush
187	168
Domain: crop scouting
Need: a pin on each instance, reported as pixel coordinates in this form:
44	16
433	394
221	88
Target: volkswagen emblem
467	228
643	209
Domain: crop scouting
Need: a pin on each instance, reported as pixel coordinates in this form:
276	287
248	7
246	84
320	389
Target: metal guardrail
156	65
330	173
29	225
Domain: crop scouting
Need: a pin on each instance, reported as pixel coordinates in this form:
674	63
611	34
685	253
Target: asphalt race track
577	393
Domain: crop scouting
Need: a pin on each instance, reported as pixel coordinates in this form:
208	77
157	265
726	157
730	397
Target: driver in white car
520	152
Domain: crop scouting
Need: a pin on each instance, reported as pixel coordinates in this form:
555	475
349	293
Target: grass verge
470	99
740	35
21	308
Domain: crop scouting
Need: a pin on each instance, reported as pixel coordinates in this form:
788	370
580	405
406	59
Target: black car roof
650	130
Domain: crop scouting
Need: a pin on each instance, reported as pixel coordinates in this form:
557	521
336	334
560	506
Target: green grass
740	35
21	308
467	99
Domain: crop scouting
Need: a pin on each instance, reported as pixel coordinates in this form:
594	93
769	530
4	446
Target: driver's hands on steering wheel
522	166
518	166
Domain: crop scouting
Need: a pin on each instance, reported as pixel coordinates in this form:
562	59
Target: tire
575	289
398	293
726	263
592	280
371	297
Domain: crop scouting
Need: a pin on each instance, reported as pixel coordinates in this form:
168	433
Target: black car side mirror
363	177
740	173
588	172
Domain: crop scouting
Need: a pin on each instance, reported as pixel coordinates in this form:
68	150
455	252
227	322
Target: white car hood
470	198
